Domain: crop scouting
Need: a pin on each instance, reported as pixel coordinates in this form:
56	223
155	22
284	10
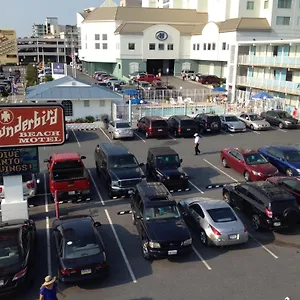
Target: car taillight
150	128
67	271
179	129
20	274
101	266
215	231
269	213
245	228
30	185
1	189
205	123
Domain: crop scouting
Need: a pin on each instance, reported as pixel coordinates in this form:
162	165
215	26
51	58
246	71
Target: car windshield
255	159
9	250
159	123
222	215
123	161
231	119
284	115
167	161
292	156
161	212
68	169
255	117
122	125
187	123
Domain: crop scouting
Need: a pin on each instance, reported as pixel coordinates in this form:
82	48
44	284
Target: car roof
114	149
206	203
156	118
209	115
244	150
283	148
65	156
228	115
182	117
162	151
154	192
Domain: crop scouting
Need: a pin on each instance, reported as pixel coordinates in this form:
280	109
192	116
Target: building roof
146	14
109	3
244	24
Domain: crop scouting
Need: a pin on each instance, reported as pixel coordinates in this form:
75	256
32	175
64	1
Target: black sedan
79	249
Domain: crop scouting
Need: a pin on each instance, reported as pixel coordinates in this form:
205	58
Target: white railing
272	61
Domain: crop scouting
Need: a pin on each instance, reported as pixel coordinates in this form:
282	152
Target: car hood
293	120
168	172
264	168
167	230
125	173
237	124
260	122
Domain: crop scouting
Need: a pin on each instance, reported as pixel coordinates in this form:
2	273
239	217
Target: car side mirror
97	224
141	164
83	157
181	160
139	217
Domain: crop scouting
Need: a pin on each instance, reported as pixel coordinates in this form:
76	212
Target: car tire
247	176
280	125
147	135
203	238
133	219
226	128
252	127
289	172
109	192
97	171
145	250
224	163
256	223
226	198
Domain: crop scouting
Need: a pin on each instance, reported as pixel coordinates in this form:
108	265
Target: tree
48	78
31	75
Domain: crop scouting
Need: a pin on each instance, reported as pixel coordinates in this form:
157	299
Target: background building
8	47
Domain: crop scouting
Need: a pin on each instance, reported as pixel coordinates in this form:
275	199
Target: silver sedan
254	121
232	124
215	220
120	129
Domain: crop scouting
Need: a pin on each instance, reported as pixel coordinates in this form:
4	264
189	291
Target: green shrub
90	119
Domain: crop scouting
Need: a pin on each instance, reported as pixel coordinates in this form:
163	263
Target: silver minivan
120	129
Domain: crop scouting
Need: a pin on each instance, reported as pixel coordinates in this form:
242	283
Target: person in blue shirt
49	289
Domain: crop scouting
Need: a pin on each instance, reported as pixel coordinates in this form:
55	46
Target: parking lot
265	268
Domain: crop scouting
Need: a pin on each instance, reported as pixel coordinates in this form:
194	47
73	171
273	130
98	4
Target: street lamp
167	70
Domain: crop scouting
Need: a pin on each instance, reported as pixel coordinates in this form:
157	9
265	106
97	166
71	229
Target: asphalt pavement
265	268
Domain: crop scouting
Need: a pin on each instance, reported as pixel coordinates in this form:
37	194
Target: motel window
97	37
266	4
131	46
68	106
198	47
204	46
223	46
194	47
86	103
161	46
284	4
101	103
250	5
170	47
104	46
209	46
283	20
97	45
152	46
289	76
213	46
104	37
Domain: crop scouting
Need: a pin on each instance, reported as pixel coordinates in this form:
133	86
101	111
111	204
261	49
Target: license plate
172	252
233	236
188	129
72	193
86	271
1	282
276	224
159	130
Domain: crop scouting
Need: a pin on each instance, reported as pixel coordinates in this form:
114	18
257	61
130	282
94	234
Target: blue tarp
262	95
219	89
137	101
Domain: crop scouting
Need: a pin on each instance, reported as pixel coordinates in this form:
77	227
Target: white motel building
251	43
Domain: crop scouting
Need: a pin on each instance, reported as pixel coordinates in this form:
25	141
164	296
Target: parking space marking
106	134
220	170
97	190
201	258
75	136
120	247
278	129
264	247
196	187
47	229
140	137
172	137
255	132
227	133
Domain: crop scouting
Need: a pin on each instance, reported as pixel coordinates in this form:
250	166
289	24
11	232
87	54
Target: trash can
104	121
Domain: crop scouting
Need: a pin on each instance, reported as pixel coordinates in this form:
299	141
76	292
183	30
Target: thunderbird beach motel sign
32	125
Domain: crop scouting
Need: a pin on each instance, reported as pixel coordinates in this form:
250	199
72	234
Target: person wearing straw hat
49	289
196	143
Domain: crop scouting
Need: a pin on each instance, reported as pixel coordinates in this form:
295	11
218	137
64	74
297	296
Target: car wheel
97	170
252	127
226	198
110	193
256	223
203	237
280	125
224	163
226	128
145	250
247	176
147	135
289	172
133	219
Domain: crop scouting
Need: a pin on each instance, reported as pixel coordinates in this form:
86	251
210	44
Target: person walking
49	289
197	142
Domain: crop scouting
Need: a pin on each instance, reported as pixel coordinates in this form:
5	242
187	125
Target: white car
30	183
254	121
120	129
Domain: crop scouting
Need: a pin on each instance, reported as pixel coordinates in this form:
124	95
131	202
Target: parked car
102	76
285	158
269	206
254	121
120	129
153	127
214	220
187	73
232	124
17	255
161	228
147	77
98	73
112	80
80	252
136	74
252	164
68	176
182	126
280	118
208	123
118	168
195	76
164	165
211	79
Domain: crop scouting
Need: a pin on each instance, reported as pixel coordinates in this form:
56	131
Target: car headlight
298	170
187	242
256	125
154	245
168	177
256	173
182	176
115	182
287	122
230	125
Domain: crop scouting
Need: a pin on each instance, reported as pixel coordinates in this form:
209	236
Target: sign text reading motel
32	125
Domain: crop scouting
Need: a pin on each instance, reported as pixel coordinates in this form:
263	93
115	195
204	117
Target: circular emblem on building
161	35
6	116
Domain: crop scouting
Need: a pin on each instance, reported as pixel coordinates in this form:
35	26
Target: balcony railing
270	85
271	61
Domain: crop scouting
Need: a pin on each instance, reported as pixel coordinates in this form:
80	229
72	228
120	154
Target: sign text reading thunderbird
32	125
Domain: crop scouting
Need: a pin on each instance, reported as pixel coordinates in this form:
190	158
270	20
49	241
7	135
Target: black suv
208	123
163	164
269	206
160	225
119	169
280	118
182	126
17	255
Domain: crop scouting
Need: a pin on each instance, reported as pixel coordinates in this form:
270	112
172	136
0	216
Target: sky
21	15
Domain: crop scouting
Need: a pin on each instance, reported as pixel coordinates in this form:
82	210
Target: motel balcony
270	61
286	87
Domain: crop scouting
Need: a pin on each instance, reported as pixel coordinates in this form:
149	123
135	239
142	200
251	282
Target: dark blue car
285	158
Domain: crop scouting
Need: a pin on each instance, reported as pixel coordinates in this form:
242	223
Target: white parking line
227	133
106	135
120	247
202	259
264	247
140	137
220	170
278	129
255	132
97	190
172	137
76	138
47	229
196	187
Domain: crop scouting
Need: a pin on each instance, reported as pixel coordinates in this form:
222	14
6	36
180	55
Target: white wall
217	10
125	53
79	111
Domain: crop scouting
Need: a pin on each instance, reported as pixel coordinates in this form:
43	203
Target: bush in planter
80	120
90	119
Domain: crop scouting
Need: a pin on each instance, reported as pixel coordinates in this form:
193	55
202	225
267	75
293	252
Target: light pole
167	70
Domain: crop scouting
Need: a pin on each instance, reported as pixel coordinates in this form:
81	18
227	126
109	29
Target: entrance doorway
154	66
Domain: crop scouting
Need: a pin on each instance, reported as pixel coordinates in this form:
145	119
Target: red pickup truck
147	78
68	176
